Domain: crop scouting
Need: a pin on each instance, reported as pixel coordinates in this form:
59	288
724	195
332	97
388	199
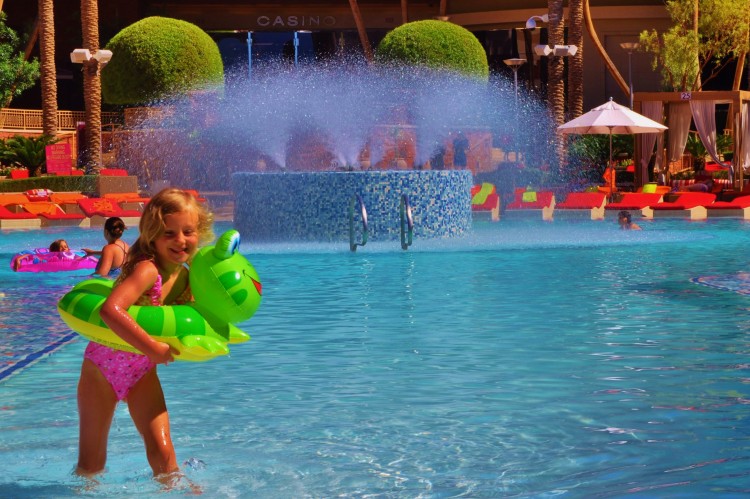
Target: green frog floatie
226	288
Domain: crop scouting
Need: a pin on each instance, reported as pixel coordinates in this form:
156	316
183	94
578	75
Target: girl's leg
96	407
149	413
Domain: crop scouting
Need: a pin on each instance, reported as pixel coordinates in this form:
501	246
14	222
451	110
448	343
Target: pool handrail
407	233
362	210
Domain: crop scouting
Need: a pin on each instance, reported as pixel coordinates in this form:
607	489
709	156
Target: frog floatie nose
226	289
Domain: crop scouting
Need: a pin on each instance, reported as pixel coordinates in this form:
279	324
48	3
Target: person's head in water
625	219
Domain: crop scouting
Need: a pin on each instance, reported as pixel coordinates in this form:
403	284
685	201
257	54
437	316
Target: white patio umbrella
611	118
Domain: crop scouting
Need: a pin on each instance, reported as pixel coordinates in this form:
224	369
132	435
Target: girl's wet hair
57	244
167	202
115	227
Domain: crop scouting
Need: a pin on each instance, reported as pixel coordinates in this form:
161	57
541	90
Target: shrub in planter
28	152
158	57
436	45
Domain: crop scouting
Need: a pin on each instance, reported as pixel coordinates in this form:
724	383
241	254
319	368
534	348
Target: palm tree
47	69
555	68
92	86
575	63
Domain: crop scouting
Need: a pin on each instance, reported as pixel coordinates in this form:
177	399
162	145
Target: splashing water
324	116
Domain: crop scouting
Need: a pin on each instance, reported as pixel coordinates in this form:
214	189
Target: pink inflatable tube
44	260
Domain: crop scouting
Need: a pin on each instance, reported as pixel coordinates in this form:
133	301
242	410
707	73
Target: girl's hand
161	353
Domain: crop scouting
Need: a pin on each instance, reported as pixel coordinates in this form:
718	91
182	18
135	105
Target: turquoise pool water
526	360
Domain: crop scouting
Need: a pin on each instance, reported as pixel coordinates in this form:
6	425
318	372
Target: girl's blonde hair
167	202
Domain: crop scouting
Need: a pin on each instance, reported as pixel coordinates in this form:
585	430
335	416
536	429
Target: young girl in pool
155	273
113	254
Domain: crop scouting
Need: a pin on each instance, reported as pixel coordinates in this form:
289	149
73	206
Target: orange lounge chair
51	215
583	203
692	204
100	209
738	207
68	201
635	201
12	198
128	200
485	200
527	203
11	220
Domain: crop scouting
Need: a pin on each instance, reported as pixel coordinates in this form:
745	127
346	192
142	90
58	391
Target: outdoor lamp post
296	44
514	64
102	57
630	47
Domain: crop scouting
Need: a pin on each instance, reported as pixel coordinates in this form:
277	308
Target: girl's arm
114	313
105	262
90	252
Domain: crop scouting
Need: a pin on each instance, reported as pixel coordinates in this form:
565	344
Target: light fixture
514	64
79	56
557	50
542	50
103	56
630	47
531	22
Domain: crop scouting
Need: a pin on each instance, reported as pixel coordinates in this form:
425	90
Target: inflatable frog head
225	285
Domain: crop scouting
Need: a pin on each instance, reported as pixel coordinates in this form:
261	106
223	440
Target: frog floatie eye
227	245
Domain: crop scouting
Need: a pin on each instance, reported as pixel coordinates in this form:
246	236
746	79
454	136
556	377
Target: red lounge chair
579	203
128	200
10	220
738	207
542	201
51	215
100	209
635	201
692	204
485	199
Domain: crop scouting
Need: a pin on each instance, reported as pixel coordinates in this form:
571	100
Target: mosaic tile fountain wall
315	206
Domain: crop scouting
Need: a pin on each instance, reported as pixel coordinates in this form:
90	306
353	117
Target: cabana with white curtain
677	110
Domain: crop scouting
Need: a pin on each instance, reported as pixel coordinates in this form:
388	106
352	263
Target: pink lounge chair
541	201
738	207
588	203
692	204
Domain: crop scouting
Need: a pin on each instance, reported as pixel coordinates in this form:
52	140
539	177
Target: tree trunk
364	40
556	66
575	63
404	12
48	76
92	86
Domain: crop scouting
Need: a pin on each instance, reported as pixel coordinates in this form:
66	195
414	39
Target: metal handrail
357	200
407	223
31	119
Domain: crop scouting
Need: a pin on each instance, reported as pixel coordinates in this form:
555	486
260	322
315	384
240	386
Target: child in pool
625	219
59	245
155	273
114	252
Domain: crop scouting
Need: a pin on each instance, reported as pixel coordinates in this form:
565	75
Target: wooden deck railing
31	119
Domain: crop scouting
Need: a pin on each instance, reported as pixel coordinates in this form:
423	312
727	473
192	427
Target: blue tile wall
315	206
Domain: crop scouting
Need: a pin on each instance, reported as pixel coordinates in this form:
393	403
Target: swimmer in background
113	254
155	273
56	246
625	219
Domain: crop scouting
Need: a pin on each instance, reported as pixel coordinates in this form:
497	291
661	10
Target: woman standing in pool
114	252
155	273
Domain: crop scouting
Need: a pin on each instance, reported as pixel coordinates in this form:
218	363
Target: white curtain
704	116
679	127
653	110
745	135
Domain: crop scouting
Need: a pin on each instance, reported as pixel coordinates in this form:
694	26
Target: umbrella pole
614	172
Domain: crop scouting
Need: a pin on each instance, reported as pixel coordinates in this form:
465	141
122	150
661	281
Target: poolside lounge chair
531	203
68	201
100	209
11	199
589	204
691	204
11	220
485	201
128	200
635	202
51	215
738	207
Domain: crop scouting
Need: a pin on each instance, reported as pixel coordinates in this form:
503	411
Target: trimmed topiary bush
437	45
158	57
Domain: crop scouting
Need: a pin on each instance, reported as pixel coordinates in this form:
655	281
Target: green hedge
82	183
437	45
158	57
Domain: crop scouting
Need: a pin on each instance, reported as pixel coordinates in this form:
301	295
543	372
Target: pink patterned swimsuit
124	369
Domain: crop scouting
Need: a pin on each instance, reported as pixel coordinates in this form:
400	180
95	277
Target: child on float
112	255
59	245
173	224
